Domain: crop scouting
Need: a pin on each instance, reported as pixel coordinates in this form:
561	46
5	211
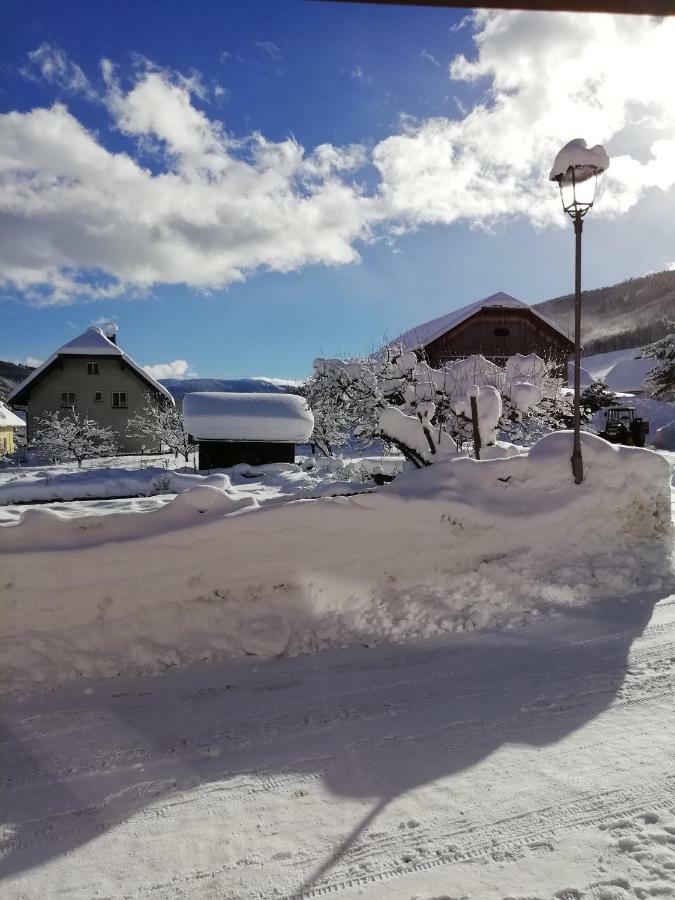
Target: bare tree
62	436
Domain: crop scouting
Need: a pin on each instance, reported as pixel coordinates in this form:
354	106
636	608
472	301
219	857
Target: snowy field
530	761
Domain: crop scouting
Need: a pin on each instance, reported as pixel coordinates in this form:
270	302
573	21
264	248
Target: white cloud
357	73
270	48
217	210
52	65
547	78
179	368
79	220
430	57
32	361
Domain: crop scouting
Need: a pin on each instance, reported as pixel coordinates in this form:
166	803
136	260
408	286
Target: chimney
110	330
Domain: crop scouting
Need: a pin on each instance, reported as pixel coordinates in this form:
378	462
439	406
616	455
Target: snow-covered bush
426	413
662	378
61	436
161	424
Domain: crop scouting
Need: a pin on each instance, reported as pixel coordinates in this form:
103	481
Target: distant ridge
179	387
629	314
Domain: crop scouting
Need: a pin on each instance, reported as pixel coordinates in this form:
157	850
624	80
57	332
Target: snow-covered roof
586	161
278	418
9	419
424	334
91	342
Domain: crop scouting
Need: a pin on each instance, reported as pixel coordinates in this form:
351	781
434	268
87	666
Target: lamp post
576	171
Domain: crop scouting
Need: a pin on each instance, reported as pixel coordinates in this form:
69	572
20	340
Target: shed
496	327
246	428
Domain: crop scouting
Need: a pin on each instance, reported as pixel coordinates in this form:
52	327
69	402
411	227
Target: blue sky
266	257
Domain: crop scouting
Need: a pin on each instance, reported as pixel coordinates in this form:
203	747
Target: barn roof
273	418
91	342
424	334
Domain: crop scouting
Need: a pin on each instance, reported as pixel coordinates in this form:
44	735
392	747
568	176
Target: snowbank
664	437
248	417
102	483
461	544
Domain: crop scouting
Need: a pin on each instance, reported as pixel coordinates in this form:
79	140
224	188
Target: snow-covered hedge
100	484
462	544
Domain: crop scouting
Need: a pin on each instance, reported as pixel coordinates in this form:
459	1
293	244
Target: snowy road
534	763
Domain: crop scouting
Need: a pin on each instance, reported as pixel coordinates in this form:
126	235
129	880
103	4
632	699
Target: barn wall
223	454
525	334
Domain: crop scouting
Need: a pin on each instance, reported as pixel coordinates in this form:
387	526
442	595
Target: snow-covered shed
496	327
246	428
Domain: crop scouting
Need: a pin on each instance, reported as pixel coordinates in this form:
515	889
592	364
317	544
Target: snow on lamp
576	169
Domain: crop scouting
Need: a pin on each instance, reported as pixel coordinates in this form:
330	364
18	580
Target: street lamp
576	169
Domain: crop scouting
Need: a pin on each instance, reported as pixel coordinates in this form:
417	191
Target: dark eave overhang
624	7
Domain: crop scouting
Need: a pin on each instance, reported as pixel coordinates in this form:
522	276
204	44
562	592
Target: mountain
181	386
629	314
11	374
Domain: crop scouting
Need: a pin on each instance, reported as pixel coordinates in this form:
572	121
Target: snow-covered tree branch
662	378
62	436
426	412
161	424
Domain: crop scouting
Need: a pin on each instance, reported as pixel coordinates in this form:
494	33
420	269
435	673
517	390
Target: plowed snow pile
459	545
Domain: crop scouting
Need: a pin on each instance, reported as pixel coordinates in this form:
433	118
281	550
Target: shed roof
91	342
9	419
273	418
424	334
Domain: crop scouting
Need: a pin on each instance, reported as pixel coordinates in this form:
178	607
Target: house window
98	396
502	332
92	368
67	399
119	399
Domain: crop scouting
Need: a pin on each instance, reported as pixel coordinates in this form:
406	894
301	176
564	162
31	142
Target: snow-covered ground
532	762
146	484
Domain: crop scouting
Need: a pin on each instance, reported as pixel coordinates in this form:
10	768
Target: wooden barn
496	327
246	428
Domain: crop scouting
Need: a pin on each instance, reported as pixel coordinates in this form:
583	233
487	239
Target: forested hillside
629	314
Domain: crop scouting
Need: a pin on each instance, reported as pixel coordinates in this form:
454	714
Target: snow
587	378
459	545
664	437
530	763
585	161
9	419
91	342
101	483
599	364
424	334
630	374
489	409
248	417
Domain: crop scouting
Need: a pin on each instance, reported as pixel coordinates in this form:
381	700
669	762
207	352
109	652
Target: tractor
624	427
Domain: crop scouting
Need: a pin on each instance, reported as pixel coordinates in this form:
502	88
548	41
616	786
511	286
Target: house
246	428
93	376
497	327
8	422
